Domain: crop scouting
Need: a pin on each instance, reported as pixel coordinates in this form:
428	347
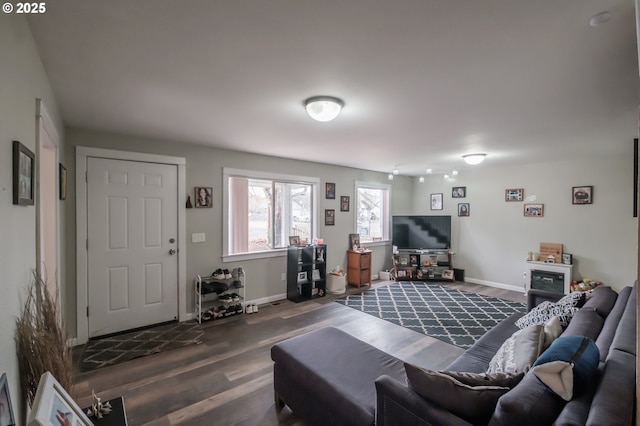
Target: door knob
172	252
172	240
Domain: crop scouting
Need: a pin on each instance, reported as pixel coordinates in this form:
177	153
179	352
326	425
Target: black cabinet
306	272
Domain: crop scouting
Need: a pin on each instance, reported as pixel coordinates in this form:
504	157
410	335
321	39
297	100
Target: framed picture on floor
52	406
447	274
6	409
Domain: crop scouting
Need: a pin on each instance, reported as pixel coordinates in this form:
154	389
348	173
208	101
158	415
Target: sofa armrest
399	405
536	297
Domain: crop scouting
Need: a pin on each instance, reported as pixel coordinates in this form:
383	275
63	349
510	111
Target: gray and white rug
453	316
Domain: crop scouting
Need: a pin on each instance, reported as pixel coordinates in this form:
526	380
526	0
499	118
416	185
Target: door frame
82	155
45	125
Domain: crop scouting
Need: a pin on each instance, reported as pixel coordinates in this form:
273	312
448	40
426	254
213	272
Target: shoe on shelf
235	297
248	309
218	274
226	273
226	298
240	271
234	273
237	283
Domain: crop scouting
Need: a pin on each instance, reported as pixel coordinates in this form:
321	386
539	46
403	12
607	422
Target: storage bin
336	284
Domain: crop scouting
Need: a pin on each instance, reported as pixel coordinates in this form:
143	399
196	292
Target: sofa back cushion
602	300
625	338
614	400
611	323
586	322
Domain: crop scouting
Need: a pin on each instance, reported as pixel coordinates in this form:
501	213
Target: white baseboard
268	299
494	284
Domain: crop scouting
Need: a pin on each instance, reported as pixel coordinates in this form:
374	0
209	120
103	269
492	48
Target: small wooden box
551	249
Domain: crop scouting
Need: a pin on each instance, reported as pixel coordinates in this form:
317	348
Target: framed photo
447	274
413	259
204	196
52	406
567	258
459	192
329	217
302	276
6	409
582	194
23	169
294	240
436	201
515	194
62	172
354	241
463	209
330	191
534	210
315	274
344	203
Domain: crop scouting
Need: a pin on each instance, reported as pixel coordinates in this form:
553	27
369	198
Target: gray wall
492	243
204	167
22	81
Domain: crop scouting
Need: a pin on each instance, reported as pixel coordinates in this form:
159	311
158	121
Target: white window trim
375	185
228	172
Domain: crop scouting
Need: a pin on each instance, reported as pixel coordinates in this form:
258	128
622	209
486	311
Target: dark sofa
329	377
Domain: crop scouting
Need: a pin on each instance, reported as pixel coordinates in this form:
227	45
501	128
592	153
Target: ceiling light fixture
421	180
454	172
390	177
599	19
474	159
396	172
323	108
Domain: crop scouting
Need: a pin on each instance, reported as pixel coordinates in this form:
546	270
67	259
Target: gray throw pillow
485	379
474	404
518	353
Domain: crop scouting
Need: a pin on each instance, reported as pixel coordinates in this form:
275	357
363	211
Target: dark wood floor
228	379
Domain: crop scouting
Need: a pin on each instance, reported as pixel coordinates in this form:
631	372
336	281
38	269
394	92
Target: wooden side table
359	267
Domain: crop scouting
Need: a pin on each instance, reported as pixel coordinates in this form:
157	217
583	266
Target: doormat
453	316
115	349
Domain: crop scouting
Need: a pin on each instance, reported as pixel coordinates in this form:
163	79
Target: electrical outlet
198	237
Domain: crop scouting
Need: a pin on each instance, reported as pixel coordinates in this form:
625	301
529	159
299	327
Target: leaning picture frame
7	417
24	162
294	240
53	406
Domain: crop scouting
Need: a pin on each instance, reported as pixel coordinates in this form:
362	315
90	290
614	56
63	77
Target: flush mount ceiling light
323	108
474	159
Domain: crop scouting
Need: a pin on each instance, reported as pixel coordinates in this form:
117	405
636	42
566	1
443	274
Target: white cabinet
217	297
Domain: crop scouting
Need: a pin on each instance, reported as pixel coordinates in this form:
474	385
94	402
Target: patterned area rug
124	347
453	316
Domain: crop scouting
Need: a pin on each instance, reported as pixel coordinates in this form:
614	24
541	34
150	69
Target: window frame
228	172
386	239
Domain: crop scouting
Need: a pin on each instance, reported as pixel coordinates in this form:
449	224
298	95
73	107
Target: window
372	203
264	210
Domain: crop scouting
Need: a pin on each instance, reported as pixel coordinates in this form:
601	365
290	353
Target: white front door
132	231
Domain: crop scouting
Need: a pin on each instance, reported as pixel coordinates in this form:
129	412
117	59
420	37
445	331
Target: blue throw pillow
568	365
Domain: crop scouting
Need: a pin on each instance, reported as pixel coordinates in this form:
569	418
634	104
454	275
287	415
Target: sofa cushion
625	337
586	322
568	365
530	403
518	353
472	403
614	400
611	324
602	300
552	330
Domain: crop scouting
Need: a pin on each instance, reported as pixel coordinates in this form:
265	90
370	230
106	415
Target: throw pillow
568	365
574	300
547	310
485	379
552	330
474	404
518	353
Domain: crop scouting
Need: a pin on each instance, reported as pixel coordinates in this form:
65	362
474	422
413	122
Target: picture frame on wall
344	203
62	176
459	192
463	209
7	417
582	195
204	196
23	173
534	210
51	402
436	201
330	191
514	194
329	217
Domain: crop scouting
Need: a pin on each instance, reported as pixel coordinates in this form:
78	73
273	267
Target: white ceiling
423	81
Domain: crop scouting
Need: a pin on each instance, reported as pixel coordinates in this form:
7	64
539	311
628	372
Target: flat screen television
421	232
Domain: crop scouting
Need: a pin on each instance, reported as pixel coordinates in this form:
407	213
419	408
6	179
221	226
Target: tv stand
423	265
